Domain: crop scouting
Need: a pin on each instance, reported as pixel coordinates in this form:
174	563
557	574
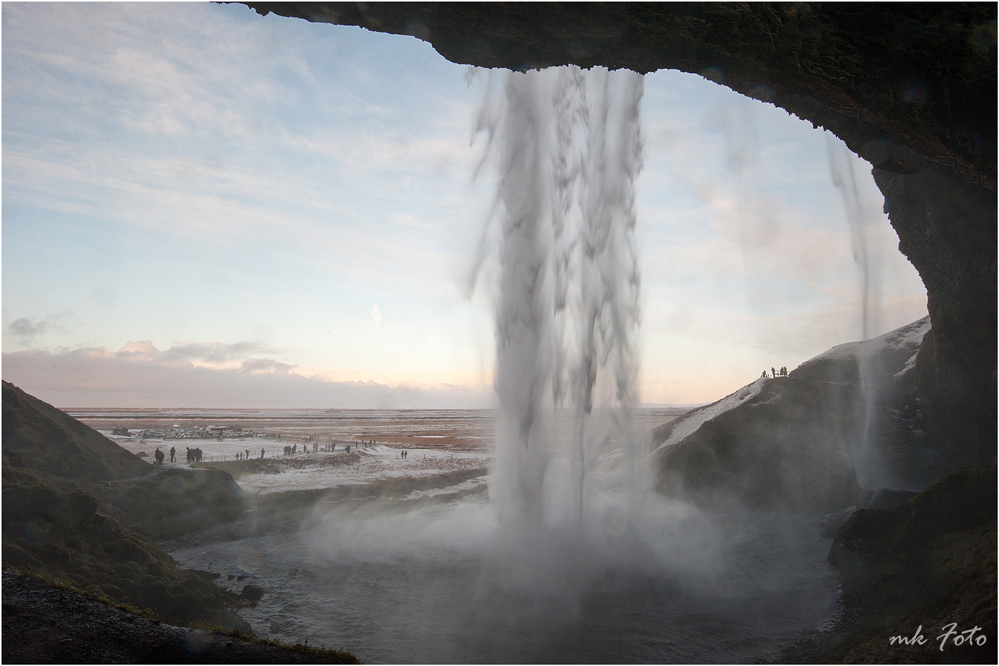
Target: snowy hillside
908	338
905	339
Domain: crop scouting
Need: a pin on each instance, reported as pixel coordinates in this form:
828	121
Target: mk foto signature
966	637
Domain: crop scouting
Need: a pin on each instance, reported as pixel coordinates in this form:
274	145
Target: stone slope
41	437
792	443
788	448
43	445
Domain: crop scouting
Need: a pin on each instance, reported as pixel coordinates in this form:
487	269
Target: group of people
245	455
776	373
160	456
403	454
196	455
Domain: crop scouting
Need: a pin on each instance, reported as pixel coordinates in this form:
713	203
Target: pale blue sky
203	207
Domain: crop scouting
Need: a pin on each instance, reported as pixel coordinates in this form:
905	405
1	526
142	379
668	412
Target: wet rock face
948	232
910	87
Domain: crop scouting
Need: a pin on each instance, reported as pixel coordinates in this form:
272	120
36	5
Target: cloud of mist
727	563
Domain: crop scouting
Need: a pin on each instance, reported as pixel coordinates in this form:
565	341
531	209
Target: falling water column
569	149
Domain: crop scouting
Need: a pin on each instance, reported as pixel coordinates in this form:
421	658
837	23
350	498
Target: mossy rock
15	556
102	556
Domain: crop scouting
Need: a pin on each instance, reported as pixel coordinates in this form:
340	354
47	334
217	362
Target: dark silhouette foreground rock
918	568
46	624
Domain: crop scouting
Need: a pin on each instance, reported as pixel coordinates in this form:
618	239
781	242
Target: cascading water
569	145
869	472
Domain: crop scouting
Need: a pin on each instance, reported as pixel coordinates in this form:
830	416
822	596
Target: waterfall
865	254
568	145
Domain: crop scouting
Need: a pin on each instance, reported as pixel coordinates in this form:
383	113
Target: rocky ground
43	623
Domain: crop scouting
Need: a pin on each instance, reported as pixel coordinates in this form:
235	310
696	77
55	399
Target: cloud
268	365
24	331
215	352
136	376
27	329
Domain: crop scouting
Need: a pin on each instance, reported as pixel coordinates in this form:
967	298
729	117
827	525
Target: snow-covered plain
435	441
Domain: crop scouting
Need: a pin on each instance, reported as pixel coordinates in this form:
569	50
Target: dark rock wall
911	87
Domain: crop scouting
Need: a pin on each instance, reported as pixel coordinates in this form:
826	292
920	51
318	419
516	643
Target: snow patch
901	338
686	425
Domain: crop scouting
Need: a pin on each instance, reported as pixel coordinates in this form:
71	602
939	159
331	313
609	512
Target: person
159	457
261	454
173	452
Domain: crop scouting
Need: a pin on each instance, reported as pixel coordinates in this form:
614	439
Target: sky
203	207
